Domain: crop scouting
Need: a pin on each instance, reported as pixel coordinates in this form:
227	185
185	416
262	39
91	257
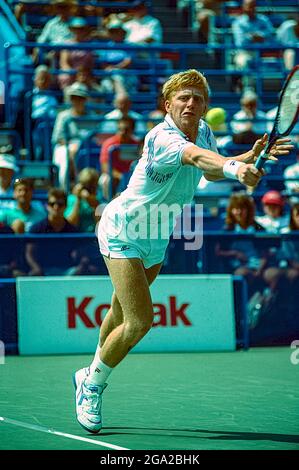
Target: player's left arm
281	147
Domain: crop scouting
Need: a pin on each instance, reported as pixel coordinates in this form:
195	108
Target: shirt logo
124	247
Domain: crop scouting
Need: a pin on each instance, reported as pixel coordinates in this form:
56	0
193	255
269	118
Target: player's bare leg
114	316
131	283
129	319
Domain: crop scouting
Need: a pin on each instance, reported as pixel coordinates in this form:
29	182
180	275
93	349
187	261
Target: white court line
34	427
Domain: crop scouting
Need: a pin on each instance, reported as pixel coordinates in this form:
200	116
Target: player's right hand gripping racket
286	116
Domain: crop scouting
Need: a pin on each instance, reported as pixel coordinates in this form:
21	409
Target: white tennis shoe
88	401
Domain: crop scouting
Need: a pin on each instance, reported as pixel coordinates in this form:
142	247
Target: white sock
98	372
96	356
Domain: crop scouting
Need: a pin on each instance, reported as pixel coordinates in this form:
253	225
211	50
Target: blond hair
181	80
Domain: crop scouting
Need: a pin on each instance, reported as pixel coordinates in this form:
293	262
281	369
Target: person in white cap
68	133
8	168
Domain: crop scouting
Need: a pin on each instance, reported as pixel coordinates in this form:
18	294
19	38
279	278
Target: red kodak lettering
160	318
79	310
98	313
178	313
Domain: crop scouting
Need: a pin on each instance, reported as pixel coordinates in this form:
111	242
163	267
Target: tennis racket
286	116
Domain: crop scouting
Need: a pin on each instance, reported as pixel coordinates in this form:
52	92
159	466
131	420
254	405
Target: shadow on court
215	435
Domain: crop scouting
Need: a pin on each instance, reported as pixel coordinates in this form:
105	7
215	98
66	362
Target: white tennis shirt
160	178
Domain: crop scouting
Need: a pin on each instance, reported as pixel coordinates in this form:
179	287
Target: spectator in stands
8	168
281	275
118	166
288	35
85	77
55	222
206	11
71	60
69	133
115	60
56	30
273	219
249	29
25	212
43	107
122	103
143	28
240	256
249	119
83	201
291	172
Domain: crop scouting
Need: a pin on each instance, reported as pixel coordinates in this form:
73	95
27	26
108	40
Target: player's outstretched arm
217	167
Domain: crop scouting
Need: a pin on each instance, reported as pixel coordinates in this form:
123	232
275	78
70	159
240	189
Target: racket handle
263	156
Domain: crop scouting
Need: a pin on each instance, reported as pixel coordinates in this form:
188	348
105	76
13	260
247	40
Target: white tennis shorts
114	241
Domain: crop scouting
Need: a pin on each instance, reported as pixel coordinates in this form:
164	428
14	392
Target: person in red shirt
120	166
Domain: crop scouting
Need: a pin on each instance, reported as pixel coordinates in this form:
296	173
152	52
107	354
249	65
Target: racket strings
289	104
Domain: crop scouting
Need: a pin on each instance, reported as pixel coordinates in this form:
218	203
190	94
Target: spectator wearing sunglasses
55	221
60	260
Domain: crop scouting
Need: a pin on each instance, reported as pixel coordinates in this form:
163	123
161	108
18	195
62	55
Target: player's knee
135	330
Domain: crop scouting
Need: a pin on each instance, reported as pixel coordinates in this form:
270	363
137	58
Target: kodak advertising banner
58	315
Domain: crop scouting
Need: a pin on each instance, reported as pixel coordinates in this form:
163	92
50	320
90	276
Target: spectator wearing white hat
68	133
72	59
8	168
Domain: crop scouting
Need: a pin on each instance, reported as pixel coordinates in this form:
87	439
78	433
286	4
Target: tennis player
177	152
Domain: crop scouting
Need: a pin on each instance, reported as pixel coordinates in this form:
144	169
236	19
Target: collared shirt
243	28
160	179
55	31
138	30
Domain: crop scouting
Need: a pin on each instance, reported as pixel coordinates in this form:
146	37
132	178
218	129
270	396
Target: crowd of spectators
76	89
